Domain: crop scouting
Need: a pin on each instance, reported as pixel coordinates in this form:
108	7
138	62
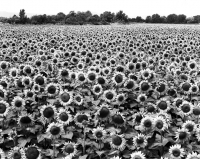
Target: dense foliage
82	18
100	92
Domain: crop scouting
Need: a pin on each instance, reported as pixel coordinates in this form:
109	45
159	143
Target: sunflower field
100	92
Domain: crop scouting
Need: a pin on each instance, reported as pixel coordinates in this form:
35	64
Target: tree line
107	17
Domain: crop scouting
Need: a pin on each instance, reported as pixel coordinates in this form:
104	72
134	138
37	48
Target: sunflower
130	66
106	71
25	120
27	81
147	123
28	70
91	76
190	126
144	86
161	88
18	83
97	89
137	117
36	88
55	130
13	72
38	63
3	93
160	123
186	108
146	74
101	80
4	83
185	87
78	99
16	153
194	89
109	95
51	89
80	119
64	73
193	155
65	97
72	75
192	65
4	65
4	108
116	157
103	112
99	133
141	98
2	154
138	155
118	78
197	134
80	66
196	111
64	116
140	141
81	77
182	135
40	79
32	152
117	141
118	119
163	104
18	103
48	112
121	98
177	102
70	149
130	84
176	152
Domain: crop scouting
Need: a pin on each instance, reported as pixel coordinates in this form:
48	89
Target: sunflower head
32	152
55	130
70	149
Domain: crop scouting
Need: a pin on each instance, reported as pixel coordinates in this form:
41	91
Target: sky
132	8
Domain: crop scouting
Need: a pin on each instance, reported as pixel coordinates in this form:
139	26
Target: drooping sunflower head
81	118
32	152
103	112
25	120
118	119
118	142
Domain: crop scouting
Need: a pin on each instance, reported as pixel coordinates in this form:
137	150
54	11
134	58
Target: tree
181	18
22	16
156	18
107	16
95	19
60	17
139	19
172	18
121	16
148	19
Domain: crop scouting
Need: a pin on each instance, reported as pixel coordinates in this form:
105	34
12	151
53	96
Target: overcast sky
132	8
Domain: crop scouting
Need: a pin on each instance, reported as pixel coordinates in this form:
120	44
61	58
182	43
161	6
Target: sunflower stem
54	148
161	140
84	136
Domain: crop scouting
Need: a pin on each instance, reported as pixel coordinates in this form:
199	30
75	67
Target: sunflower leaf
83	157
68	136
